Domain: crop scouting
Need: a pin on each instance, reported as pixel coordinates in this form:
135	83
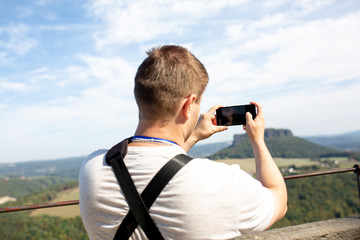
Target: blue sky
67	67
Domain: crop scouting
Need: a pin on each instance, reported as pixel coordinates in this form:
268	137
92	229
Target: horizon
67	67
198	144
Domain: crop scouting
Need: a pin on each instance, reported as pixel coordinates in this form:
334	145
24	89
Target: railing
354	169
37	206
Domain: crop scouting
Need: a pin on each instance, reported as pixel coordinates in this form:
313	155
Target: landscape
310	199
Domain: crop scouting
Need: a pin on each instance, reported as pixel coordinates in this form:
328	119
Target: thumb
220	128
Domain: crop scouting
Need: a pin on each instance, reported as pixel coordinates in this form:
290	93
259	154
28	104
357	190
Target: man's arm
205	127
267	171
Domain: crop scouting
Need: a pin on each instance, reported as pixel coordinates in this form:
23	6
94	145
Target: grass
248	164
66	211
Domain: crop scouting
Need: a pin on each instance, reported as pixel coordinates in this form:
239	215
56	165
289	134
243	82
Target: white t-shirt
204	200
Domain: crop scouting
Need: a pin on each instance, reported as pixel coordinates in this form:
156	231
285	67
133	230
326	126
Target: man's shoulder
95	157
97	153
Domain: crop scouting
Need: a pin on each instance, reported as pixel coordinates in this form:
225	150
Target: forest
319	198
20	225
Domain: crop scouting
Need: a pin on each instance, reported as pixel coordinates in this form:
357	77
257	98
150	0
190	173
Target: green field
67	211
248	164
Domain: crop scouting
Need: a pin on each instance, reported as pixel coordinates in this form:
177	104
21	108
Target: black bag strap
139	205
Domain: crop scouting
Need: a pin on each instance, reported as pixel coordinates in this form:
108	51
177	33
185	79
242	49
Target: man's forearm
267	171
190	142
270	176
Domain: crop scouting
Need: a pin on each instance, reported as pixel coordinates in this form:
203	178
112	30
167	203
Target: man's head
168	75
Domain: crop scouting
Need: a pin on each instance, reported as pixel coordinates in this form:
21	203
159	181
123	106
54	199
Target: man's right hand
205	127
255	128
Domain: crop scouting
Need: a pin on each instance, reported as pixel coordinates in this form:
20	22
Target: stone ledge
341	228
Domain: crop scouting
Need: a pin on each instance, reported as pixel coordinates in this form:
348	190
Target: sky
67	67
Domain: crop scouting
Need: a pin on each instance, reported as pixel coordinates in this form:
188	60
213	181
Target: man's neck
169	131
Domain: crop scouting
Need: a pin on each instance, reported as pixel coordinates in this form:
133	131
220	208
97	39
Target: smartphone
234	115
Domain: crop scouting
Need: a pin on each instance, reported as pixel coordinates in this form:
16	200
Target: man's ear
188	105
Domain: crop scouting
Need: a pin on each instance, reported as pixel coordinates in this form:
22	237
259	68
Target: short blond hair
166	76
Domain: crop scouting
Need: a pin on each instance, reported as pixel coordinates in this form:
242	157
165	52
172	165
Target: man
205	199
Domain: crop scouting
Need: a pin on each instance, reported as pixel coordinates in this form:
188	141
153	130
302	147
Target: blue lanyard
154	139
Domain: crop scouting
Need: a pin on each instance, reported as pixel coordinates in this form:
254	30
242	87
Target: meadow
66	211
248	164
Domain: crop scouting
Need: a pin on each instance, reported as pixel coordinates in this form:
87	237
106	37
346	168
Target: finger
213	120
212	110
258	107
220	128
249	118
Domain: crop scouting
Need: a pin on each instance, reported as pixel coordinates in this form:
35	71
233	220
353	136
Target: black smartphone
234	115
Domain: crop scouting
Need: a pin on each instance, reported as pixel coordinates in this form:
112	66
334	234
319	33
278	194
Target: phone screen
234	115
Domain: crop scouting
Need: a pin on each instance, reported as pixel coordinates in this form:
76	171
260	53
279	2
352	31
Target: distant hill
21	187
204	150
280	142
66	167
347	141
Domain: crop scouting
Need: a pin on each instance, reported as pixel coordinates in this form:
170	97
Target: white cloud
69	126
308	6
321	52
13	86
2	106
116	72
39	70
270	20
36	79
17	39
141	21
236	31
315	111
96	117
274	3
302	7
112	73
74	74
